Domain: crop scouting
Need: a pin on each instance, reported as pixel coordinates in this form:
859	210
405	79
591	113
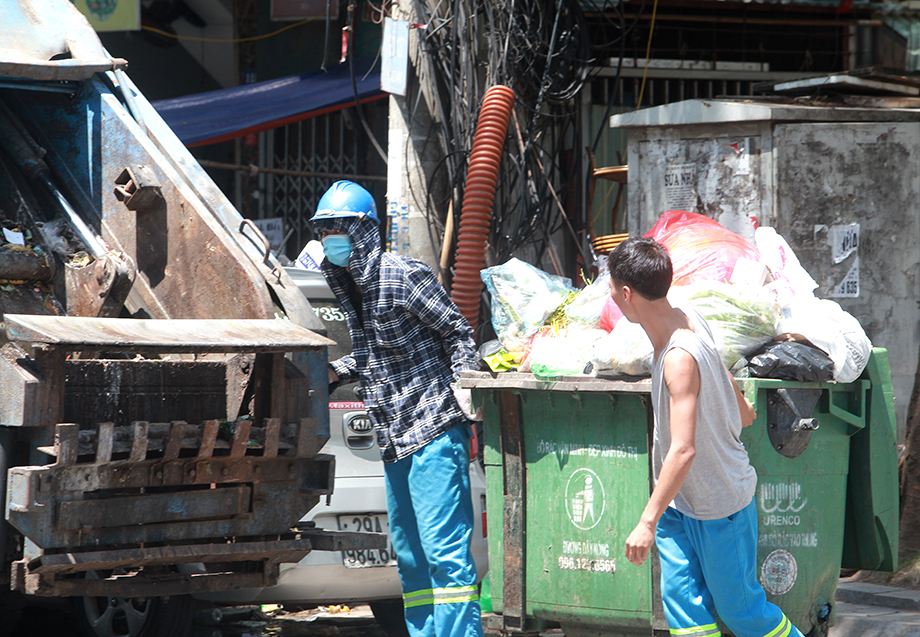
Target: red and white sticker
346	405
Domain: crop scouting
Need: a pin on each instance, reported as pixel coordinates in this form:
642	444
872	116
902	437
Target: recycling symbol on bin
585	499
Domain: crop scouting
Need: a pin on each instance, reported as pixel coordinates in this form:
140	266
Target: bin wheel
820	630
134	617
390	616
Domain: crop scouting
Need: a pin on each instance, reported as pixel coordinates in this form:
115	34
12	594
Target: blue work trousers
709	567
431	523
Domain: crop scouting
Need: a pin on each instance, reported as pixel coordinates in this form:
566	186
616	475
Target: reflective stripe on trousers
712	630
709	630
449	595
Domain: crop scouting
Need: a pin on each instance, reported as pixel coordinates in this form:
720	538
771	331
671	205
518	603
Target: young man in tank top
701	513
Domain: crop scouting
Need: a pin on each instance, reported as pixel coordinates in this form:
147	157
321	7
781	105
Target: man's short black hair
644	265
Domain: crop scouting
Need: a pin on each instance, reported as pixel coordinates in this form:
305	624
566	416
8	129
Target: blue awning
216	116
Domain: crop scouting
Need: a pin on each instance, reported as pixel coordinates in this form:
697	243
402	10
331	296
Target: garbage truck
163	383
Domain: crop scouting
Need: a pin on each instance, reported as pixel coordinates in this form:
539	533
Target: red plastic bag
701	248
610	315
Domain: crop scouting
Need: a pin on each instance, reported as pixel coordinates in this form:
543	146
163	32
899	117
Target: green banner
111	15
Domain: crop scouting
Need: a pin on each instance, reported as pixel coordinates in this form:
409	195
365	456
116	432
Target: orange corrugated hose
478	196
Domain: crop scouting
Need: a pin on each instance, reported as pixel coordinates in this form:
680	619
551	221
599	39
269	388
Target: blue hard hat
346	199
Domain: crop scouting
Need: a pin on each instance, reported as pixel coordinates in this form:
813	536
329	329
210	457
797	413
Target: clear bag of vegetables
523	297
585	309
742	318
625	350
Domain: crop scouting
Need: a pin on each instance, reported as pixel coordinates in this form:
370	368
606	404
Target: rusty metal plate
283	491
151	508
290	548
177	335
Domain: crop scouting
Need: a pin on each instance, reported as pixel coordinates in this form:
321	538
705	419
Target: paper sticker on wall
680	187
844	241
849	287
742	157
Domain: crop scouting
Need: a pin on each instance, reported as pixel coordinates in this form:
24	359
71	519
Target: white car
358	503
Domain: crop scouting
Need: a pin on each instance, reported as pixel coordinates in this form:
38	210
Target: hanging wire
648	51
541	50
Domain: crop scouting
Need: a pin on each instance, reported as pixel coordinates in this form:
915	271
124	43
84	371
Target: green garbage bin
568	474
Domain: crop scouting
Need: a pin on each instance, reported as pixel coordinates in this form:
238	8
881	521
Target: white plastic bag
585	310
790	279
522	299
742	318
562	354
834	330
625	350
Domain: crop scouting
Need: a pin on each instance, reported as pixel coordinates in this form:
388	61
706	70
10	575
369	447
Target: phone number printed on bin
567	563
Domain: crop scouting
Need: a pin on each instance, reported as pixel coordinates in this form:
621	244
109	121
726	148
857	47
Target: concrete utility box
841	184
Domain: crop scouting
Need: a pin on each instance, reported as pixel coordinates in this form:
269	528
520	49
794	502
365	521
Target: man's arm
429	302
682	377
748	415
343	370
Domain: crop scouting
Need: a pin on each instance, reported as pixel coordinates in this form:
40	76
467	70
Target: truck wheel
135	617
390	616
12	603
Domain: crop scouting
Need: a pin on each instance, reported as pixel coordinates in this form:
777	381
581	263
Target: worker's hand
464	398
748	415
639	543
333	377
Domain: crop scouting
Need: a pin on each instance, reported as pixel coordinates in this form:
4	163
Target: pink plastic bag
610	315
701	248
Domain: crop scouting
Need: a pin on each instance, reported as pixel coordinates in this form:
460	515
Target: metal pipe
25	266
130	102
255	170
833	21
87	235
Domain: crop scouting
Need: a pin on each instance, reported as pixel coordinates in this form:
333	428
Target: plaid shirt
409	348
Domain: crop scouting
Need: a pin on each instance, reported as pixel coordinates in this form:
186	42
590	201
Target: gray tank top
721	479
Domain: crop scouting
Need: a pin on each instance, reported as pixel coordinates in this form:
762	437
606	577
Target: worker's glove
465	401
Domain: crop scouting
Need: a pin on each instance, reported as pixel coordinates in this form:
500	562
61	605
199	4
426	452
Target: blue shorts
709	567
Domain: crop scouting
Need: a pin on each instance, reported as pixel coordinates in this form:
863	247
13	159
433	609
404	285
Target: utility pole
413	151
246	25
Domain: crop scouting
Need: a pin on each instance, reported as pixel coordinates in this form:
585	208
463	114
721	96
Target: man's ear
628	293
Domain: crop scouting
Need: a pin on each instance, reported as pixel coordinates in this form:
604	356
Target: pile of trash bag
757	299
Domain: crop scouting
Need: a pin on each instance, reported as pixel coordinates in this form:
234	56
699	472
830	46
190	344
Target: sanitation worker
410	344
701	513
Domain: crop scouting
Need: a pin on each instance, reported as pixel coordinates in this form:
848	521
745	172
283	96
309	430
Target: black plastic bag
792	361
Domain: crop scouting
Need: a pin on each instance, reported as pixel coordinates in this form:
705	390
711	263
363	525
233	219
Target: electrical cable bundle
542	50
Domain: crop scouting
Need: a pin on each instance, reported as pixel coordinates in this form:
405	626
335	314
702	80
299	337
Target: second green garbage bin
568	474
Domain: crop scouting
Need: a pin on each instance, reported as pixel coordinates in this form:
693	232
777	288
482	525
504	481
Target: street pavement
863	610
870	610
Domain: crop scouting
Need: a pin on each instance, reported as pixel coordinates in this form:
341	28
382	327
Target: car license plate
365	558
